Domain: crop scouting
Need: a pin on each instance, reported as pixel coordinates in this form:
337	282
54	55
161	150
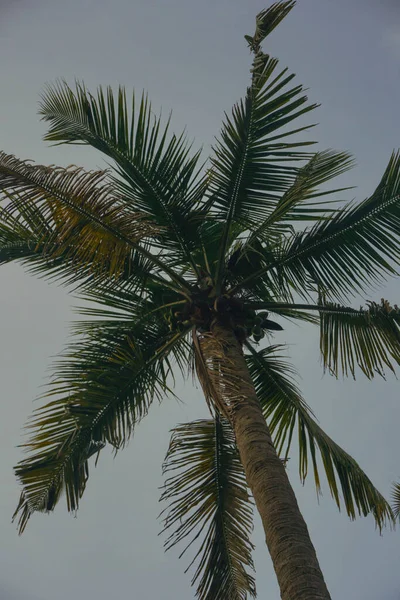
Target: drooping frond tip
104	385
368	337
285	410
209	506
266	21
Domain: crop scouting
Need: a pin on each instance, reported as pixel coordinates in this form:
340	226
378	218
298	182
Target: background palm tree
186	267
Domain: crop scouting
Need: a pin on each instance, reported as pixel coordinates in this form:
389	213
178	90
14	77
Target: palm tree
182	268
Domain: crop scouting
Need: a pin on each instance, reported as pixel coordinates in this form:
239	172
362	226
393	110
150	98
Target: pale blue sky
191	57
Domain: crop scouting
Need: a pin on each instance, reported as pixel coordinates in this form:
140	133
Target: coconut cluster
202	312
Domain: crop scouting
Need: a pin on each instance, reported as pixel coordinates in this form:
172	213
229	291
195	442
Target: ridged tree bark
292	552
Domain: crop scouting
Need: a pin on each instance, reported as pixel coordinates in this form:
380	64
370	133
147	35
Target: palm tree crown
163	249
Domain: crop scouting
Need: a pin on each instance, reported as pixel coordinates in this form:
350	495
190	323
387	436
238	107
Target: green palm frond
284	407
298	202
252	162
209	503
103	386
348	253
157	173
290	311
396	500
369	338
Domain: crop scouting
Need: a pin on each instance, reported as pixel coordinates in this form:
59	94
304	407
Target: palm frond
103	386
209	502
295	314
17	242
267	20
356	248
157	173
369	338
284	407
298	202
396	500
92	223
31	239
252	164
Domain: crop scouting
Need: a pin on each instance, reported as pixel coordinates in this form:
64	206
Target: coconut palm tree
187	269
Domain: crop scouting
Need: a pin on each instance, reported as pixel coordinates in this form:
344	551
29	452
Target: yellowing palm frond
88	221
156	171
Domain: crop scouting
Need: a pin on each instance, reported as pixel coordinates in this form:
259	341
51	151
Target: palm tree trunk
293	555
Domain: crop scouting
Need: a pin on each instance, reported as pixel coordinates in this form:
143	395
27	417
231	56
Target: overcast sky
191	57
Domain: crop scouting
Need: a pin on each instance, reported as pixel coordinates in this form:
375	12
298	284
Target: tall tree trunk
286	533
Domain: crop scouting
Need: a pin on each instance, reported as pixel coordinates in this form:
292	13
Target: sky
190	57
